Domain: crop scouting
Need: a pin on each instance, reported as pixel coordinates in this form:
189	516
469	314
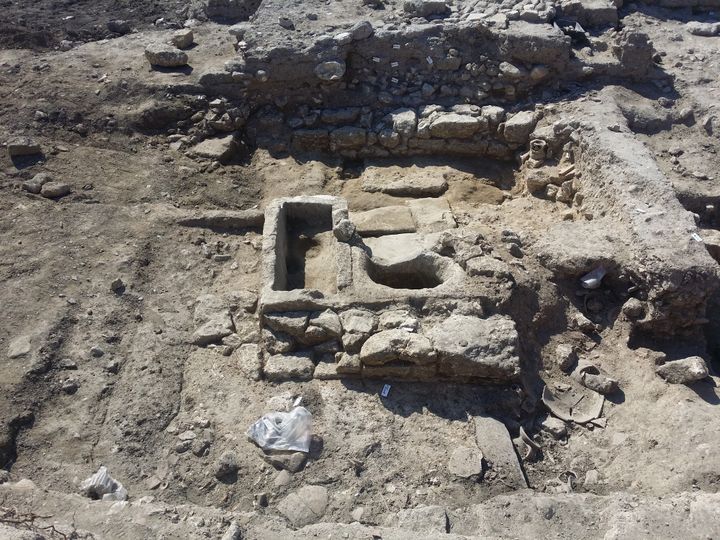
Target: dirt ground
113	378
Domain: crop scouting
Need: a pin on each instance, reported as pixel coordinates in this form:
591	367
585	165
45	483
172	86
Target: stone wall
364	132
432	87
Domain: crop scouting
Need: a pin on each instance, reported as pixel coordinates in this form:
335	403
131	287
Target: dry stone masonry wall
419	78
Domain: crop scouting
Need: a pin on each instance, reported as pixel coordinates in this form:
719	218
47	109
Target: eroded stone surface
473	347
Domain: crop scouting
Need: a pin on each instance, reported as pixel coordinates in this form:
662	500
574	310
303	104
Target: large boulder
471	347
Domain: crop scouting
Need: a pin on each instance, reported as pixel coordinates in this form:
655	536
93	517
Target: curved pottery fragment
576	406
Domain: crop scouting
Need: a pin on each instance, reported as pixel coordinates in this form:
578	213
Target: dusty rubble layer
519	515
656	250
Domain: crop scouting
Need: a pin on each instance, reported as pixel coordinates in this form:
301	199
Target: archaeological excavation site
359	269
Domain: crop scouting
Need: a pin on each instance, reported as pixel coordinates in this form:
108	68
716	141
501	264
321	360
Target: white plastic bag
283	430
103	486
592	279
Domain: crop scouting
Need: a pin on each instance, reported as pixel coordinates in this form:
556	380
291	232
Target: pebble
117	286
555	427
70	386
226	466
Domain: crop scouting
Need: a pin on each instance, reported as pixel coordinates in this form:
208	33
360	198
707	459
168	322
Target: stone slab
385	220
494	441
432	215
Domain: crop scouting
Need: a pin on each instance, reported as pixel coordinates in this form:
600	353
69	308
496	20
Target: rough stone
348	137
469	346
466	462
698	28
404	122
398	318
555	427
426	8
432	215
565	357
226	466
428	521
118	26
220	149
289	461
248	358
322	326
683	371
35	184
305	506
487	266
361	30
349	364
277	342
325	371
397	345
405	186
19	346
344	230
454	126
164	55
494	441
233	532
519	126
54	190
384	220
182	39
330	71
280	368
212	320
23	146
292	323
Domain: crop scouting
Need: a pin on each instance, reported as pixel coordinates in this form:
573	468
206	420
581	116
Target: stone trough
335	305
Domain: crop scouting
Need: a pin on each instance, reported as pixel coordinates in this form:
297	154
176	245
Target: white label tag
385	390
